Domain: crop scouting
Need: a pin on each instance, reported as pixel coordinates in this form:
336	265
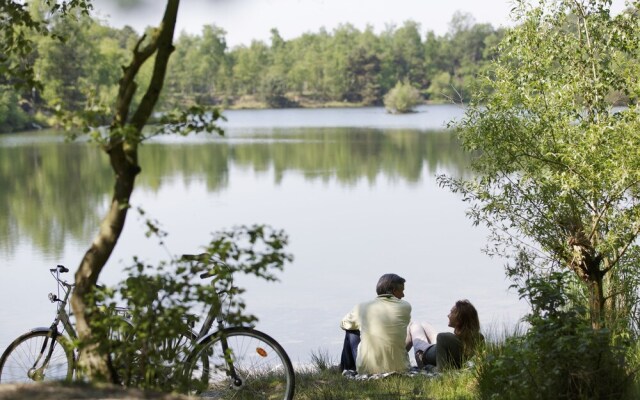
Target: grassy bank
322	381
331	385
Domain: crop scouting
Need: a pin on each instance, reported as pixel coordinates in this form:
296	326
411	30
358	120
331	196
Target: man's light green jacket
383	331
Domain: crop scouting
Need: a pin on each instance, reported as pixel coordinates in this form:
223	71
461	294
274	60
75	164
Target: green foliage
363	74
403	56
248	67
556	171
199	69
403	98
65	64
196	119
441	88
469	45
274	91
23	27
165	303
559	357
11	115
20	24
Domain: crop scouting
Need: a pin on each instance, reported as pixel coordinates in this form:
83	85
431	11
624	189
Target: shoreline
39	124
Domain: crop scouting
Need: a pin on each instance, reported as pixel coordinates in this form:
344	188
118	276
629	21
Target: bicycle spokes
242	363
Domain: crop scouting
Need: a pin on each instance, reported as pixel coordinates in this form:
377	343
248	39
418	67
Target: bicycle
237	361
46	353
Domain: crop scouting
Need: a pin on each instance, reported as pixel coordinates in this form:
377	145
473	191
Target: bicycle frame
37	374
214	314
215	311
62	315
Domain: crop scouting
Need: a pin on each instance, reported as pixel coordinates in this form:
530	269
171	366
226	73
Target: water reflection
53	191
50	191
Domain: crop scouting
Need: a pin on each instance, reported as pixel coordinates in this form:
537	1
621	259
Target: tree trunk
585	261
590	273
123	155
596	300
94	364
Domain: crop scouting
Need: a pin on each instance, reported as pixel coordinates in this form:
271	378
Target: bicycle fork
37	374
236	380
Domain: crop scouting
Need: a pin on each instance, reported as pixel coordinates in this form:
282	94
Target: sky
245	20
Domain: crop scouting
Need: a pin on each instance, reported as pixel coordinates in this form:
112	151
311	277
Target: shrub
402	98
561	356
166	301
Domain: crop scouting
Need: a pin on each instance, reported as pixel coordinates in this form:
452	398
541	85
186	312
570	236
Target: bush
402	98
559	357
165	302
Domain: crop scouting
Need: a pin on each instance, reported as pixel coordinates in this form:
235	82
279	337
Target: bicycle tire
264	367
17	363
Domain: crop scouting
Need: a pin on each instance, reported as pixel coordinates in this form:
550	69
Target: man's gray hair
388	283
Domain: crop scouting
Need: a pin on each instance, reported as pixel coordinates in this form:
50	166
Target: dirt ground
78	391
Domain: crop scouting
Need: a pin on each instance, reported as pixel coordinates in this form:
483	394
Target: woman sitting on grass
446	349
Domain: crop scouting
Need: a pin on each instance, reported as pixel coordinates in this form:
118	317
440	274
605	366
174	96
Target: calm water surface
355	189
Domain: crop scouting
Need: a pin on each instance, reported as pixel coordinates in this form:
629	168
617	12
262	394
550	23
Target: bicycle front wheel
34	357
255	367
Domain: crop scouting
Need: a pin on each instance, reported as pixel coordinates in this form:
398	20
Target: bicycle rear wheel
262	367
34	357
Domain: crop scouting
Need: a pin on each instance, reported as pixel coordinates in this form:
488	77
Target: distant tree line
344	66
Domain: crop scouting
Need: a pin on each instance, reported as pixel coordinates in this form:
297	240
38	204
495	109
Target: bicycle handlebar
61	268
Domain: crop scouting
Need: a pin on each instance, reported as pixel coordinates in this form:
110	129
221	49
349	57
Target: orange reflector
261	351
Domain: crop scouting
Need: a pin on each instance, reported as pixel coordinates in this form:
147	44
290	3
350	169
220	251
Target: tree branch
164	50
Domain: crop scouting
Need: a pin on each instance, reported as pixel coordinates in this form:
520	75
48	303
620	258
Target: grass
331	385
322	382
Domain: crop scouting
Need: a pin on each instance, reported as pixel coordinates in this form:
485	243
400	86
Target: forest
343	67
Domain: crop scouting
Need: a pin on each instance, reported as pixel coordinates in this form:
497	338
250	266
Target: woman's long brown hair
467	327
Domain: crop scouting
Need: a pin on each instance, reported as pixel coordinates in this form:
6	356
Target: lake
355	189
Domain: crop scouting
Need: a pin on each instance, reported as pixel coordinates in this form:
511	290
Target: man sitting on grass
376	331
